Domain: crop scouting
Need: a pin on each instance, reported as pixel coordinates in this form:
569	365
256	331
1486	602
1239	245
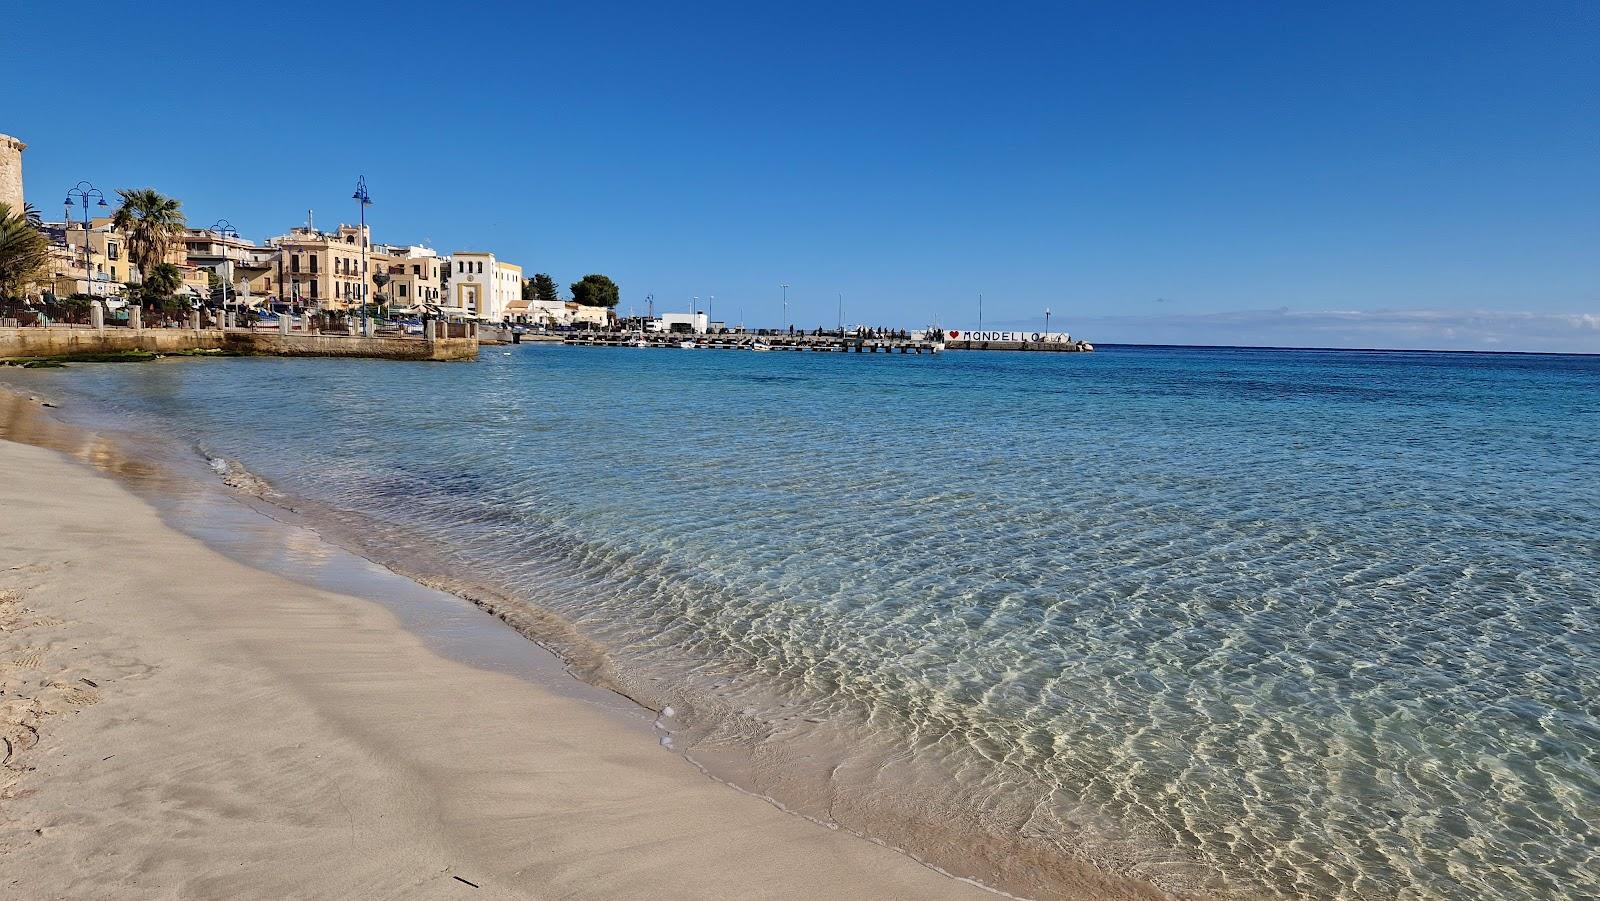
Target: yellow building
415	276
109	268
322	270
245	266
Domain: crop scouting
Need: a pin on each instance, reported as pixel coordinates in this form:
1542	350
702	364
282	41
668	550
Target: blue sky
1417	174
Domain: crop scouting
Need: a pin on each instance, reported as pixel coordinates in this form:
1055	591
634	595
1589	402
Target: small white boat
761	345
640	342
687	345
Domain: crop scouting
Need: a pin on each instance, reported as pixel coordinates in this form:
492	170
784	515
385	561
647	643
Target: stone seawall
67	342
278	345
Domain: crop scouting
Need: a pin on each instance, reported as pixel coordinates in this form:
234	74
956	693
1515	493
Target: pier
789	343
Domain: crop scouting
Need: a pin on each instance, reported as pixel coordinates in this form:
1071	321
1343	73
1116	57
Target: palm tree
151	222
31	213
24	253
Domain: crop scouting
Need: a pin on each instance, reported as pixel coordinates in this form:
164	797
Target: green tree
160	286
150	222
24	253
544	287
596	291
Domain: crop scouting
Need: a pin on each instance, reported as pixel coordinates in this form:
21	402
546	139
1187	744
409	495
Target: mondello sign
1044	337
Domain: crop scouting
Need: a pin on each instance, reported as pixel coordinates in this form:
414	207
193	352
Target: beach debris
107	757
90	682
468	882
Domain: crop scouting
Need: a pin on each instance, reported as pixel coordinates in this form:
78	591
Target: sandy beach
178	724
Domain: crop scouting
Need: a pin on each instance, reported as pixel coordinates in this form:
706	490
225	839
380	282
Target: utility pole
841	315
980	312
785	305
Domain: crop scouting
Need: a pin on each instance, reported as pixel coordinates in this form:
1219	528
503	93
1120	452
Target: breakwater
1059	347
55	342
816	343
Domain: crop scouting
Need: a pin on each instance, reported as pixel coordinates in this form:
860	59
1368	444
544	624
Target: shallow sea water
1278	624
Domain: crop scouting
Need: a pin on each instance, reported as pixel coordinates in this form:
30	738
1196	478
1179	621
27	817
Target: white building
694	322
482	287
539	312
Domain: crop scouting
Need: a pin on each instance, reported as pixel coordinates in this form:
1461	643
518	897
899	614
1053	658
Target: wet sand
179	724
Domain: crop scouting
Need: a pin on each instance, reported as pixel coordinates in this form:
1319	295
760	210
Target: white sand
249	737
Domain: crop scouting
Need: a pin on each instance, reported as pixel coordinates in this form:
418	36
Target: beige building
415	276
109	268
580	315
104	253
249	269
322	270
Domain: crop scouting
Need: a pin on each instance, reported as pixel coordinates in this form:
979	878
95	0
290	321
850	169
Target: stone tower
11	172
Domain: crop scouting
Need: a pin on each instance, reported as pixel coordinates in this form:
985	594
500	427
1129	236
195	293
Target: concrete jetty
791	343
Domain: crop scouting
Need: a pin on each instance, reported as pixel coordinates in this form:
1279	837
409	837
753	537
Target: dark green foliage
543	287
596	291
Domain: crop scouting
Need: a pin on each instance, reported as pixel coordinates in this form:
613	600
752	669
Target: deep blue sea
1258	623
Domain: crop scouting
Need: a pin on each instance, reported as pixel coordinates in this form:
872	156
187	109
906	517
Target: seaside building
104	249
548	313
680	322
246	267
323	270
415	276
97	266
588	317
481	287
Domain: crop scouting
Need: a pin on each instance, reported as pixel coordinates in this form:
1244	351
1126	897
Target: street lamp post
1047	323
785	306
224	229
364	199
83	191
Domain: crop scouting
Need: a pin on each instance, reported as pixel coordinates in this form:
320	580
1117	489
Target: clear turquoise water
1265	623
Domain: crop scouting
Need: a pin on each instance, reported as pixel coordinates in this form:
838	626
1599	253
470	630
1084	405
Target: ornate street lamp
364	199
83	191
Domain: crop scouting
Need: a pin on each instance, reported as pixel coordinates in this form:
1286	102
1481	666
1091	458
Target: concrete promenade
69	341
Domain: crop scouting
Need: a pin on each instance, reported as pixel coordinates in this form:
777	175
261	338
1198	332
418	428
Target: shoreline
280	721
570	666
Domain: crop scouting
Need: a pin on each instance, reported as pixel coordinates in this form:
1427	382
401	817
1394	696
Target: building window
294	262
416	270
315	263
314	285
111	251
480	266
402	290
